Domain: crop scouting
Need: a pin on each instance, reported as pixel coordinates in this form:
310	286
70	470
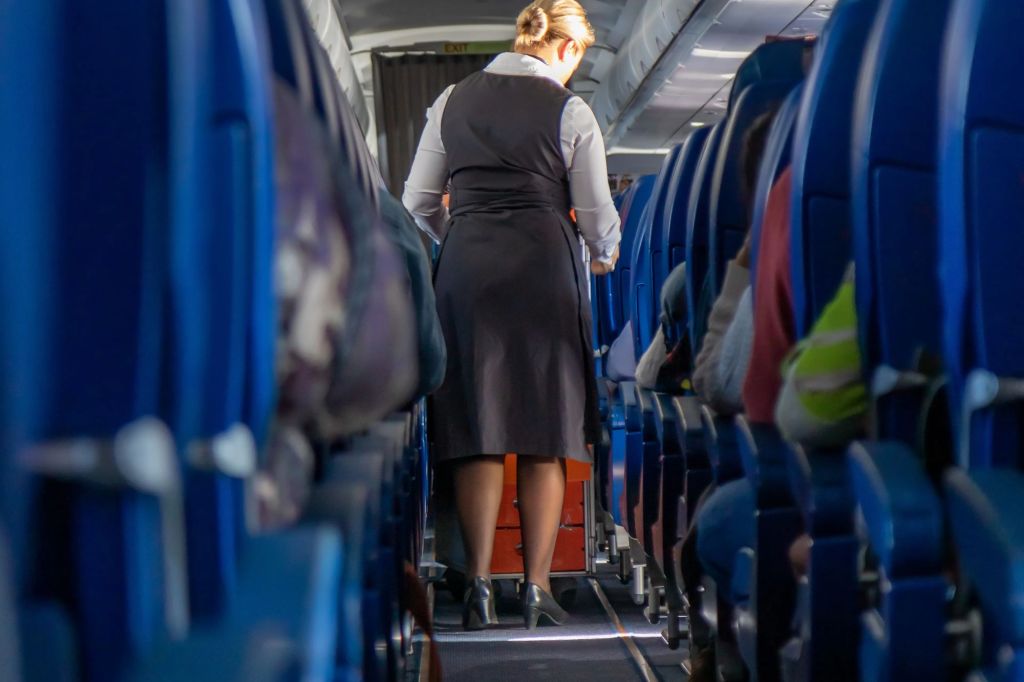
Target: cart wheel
564	592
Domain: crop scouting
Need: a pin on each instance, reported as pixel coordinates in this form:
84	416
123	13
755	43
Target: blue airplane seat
29	166
676	194
673	232
367	465
895	236
643	310
903	628
821	218
729	216
979	197
774	61
979	182
222	318
778	155
987	522
894	208
762	621
108	200
615	298
820	227
698	303
284	625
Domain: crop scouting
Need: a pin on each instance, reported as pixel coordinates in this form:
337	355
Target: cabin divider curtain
404	88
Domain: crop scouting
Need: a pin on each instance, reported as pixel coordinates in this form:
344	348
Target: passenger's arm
583	149
429	175
823	402
725	389
737	280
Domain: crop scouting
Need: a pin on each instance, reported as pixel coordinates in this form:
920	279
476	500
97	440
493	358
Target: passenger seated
666	362
620	363
722	525
823	402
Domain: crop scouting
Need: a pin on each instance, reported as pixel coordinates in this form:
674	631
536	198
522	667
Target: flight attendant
517	151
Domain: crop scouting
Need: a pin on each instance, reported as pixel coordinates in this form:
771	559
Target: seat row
211	465
902	144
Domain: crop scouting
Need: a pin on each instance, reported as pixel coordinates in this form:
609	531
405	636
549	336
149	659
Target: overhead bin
676	66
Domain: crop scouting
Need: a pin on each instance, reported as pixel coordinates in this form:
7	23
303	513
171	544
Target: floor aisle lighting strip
638	657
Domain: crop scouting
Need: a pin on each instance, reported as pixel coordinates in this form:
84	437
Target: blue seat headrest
782	60
673	229
644	315
632	213
980	197
697	227
729	215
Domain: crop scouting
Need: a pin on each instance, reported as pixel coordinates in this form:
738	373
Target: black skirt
514	305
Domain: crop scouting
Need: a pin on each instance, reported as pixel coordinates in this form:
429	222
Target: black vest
502	138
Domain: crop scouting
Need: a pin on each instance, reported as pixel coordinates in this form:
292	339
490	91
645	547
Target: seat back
774	61
821	221
982	130
777	157
729	213
632	215
895	216
28	173
613	290
672	238
697	236
644	313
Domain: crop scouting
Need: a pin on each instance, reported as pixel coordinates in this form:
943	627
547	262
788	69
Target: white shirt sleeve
584	154
429	175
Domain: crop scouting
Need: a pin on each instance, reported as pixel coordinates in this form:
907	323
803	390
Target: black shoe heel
537	604
478	611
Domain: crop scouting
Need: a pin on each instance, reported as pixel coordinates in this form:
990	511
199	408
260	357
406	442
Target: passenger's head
753	153
558	32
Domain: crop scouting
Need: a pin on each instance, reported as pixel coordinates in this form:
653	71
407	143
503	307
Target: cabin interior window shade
405	87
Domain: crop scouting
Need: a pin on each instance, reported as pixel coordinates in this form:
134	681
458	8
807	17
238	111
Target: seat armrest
763	454
901	509
986	512
820	482
691	431
721	446
645	402
631	406
667	424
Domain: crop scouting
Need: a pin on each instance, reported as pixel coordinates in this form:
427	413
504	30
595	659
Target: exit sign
478	47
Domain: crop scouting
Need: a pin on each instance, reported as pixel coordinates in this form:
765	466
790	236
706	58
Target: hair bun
535	24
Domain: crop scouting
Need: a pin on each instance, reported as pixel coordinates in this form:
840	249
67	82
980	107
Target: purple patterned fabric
346	338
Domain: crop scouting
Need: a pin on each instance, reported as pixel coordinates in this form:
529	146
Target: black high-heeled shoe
478	605
537	603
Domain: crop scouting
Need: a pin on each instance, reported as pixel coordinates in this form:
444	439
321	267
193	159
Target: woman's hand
600	268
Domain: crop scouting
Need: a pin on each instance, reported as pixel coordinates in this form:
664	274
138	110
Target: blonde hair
545	21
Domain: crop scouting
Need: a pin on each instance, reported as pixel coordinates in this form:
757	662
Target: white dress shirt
582	150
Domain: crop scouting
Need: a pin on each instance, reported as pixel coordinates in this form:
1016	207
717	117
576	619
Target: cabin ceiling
660	67
365	19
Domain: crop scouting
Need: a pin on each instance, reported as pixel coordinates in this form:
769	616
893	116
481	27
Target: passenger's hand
601	268
743	256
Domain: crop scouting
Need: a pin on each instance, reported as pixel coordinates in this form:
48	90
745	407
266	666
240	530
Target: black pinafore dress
512	289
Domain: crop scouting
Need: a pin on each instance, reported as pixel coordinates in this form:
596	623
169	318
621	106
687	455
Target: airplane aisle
607	638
